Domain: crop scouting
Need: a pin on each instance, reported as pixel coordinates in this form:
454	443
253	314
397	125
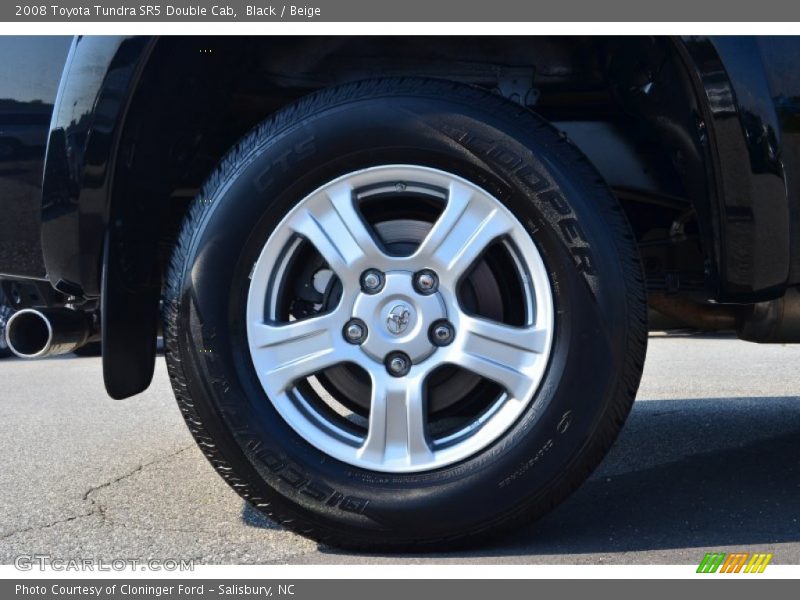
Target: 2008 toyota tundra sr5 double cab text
404	283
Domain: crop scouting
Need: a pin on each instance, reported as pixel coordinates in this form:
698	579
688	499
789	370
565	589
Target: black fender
81	243
750	207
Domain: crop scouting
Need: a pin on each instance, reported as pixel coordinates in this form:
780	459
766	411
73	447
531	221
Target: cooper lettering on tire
403	319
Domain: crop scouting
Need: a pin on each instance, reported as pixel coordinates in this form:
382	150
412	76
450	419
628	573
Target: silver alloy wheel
398	318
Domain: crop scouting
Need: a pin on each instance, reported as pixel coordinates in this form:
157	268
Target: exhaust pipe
36	333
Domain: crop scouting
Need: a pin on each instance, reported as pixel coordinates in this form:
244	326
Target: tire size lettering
561	428
527	465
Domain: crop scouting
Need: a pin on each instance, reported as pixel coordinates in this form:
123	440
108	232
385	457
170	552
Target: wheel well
626	102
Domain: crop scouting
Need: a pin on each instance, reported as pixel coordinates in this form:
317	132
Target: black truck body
106	139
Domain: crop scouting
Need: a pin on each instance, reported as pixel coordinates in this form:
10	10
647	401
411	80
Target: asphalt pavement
708	460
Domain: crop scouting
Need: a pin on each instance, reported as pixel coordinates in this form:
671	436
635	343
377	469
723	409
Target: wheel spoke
463	231
396	435
502	353
332	224
291	351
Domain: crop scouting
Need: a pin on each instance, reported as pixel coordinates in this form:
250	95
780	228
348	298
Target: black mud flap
130	315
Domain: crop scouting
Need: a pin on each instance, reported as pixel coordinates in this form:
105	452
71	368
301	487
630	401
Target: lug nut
372	281
355	331
441	333
426	282
398	364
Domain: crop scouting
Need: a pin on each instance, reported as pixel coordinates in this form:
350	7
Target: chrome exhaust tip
36	333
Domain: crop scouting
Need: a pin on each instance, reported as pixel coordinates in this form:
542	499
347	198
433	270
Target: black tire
596	359
5	314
